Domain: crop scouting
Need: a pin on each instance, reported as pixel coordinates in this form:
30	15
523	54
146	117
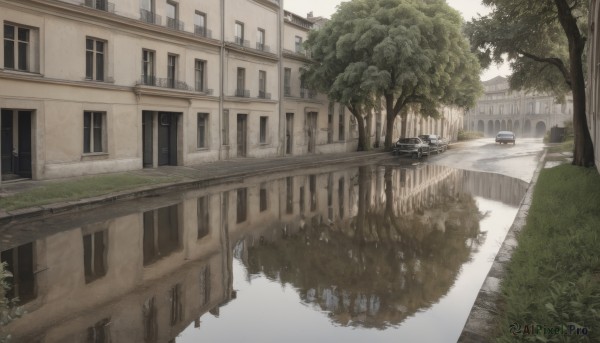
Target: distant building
527	114
593	86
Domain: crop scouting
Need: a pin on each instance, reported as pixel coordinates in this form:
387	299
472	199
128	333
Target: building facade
526	114
593	86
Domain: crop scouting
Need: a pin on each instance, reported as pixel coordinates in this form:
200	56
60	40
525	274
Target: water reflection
369	245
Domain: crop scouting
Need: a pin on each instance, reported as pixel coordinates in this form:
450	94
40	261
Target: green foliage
410	51
530	36
554	275
8	307
60	191
467	135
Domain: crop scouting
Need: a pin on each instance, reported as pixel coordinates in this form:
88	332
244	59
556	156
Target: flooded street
380	252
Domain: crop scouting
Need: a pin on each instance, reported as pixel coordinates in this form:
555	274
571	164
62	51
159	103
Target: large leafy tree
544	41
410	52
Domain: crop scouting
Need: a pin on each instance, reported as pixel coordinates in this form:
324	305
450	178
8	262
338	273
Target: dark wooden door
24	139
241	135
167	139
147	139
289	132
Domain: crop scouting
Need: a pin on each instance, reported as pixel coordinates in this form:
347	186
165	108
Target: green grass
87	187
566	146
468	135
553	278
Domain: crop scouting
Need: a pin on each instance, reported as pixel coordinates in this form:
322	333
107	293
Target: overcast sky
325	8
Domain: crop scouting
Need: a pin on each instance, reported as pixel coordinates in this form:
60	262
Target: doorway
242	127
167	139
15	132
147	138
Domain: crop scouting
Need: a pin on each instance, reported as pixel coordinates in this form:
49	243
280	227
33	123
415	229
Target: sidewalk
188	176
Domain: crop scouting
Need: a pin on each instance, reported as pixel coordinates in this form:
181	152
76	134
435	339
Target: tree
410	52
544	42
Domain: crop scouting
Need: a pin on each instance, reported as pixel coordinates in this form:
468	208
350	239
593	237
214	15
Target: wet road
382	252
518	161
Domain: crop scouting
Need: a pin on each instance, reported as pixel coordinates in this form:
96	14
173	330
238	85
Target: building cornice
304	100
296	56
141	90
252	52
39	78
248	100
110	20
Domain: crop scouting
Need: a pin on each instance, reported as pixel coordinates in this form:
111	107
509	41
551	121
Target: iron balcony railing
149	80
102	5
262	47
242	93
202	89
264	95
202	31
175	24
241	41
149	17
307	93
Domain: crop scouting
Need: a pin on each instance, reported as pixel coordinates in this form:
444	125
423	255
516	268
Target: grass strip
565	146
552	286
72	190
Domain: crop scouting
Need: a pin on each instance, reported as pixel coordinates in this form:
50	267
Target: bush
467	135
8	307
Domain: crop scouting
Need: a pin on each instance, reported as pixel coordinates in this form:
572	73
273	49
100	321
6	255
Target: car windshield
505	135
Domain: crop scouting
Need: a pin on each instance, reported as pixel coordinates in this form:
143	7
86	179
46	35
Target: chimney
310	14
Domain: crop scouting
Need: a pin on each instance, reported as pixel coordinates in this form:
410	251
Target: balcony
241	41
307	93
175	24
262	47
149	17
202	89
202	31
242	93
150	80
102	5
264	95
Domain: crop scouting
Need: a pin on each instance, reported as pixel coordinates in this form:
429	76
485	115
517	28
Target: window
263	130
94	124
173	16
298	41
148	67
94	59
21	264
342	128
147	12
239	33
289	195
263	197
287	78
94	255
161	233
262	84
241	82
203	217
199	72
175	295
171	70
202	126
242	205
260	40
17	47
200	24
225	127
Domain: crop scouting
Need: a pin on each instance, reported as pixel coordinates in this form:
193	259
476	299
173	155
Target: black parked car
414	146
435	143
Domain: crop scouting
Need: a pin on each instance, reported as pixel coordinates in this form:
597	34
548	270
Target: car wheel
415	155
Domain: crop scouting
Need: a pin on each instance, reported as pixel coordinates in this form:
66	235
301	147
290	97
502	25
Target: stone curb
38	211
482	319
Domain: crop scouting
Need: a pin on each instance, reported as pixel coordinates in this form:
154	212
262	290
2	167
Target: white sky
325	8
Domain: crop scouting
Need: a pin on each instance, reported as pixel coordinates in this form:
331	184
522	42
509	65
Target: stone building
593	86
527	114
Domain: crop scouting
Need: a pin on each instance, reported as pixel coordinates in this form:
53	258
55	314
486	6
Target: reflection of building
593	86
144	270
527	114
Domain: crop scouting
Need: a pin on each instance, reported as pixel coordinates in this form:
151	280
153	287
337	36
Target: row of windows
94	131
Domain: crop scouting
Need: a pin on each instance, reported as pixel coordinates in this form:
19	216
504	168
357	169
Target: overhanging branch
557	62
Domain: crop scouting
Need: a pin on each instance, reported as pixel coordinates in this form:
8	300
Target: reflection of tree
379	267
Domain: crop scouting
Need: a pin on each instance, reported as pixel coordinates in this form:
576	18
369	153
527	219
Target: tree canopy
411	52
544	42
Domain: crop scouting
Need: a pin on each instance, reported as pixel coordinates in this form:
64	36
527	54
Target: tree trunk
390	117
584	148
360	121
369	129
